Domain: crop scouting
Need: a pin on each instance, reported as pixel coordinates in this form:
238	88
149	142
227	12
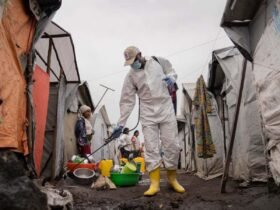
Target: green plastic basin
122	180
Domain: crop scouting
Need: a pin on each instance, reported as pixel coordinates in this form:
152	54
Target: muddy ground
199	194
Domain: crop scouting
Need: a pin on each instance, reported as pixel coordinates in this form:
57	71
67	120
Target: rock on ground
17	191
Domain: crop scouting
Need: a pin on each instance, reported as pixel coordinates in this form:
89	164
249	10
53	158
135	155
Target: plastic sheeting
185	135
58	159
40	95
267	73
60	141
204	168
100	126
47	162
16	33
248	160
55	144
62	53
240	10
264	36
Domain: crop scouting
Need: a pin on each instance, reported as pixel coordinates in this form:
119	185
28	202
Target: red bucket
72	166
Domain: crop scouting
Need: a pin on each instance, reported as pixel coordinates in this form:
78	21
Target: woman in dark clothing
84	131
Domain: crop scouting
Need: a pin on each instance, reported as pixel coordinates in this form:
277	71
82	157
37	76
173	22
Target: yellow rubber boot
154	185
171	176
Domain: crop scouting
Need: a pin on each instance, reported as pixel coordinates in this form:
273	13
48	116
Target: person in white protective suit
150	78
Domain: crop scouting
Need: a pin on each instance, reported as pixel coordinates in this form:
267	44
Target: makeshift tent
253	26
20	28
205	168
183	138
102	128
248	161
65	146
187	156
55	55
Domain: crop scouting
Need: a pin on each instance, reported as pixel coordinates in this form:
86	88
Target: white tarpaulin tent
187	158
248	160
254	27
102	127
205	168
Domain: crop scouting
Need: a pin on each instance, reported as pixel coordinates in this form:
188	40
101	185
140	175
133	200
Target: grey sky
102	29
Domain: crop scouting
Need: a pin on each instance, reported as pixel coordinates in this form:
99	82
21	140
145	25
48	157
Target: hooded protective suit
156	111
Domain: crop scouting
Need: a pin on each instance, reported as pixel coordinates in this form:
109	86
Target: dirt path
200	195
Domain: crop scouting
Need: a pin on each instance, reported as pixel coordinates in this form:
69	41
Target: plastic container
142	161
123	180
105	167
72	166
129	168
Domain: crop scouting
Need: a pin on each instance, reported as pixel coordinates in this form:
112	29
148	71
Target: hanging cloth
202	102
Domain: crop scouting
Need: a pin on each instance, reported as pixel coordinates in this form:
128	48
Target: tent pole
234	126
185	143
224	125
54	144
58	59
49	57
193	147
45	62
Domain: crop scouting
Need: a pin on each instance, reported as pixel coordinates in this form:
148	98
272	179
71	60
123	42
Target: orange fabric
40	94
16	32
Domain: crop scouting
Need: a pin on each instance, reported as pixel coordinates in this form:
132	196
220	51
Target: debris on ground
58	198
103	183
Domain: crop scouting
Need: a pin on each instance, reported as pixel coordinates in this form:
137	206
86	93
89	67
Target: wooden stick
234	126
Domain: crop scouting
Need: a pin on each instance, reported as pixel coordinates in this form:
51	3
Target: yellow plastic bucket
129	168
105	167
142	161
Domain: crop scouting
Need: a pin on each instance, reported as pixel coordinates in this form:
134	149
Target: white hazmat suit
157	114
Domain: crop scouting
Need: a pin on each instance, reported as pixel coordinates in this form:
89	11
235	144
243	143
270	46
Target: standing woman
84	131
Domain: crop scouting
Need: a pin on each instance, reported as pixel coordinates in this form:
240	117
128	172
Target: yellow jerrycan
105	167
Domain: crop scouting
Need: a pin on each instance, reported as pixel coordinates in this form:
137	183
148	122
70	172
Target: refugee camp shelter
248	160
253	26
56	76
21	25
207	168
185	127
103	129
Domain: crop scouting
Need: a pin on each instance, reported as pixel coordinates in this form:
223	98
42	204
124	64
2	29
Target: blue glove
117	132
169	81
